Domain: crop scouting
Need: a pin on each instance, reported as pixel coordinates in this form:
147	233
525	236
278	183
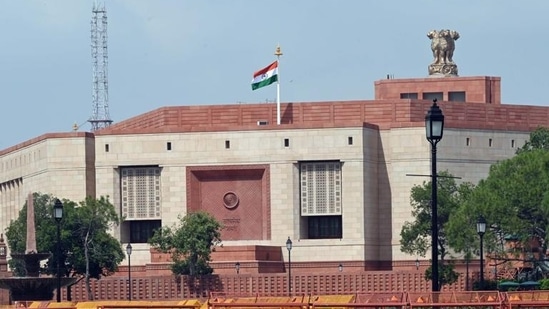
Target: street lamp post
434	125
481	229
289	247
58	215
129	252
237	267
417	264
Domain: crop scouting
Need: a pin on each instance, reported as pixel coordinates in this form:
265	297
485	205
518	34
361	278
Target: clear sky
187	52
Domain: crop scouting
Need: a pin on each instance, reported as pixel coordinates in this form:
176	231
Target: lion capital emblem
443	45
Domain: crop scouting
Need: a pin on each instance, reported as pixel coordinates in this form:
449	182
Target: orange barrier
537	298
225	302
379	300
492	299
456	299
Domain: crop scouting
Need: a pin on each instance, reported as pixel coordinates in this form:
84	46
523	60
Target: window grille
140	188
320	188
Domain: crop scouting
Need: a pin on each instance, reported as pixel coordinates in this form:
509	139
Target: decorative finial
278	51
75	127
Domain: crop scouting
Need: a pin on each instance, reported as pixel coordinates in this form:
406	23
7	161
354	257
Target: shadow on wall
377	200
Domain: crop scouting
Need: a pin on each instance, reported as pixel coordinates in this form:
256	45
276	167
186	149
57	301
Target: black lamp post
129	253
434	125
289	247
481	229
58	215
417	264
237	267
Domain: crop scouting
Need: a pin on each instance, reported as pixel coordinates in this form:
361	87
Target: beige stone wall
58	166
376	190
409	153
256	147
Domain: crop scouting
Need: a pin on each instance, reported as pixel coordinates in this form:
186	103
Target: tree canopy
416	235
87	248
539	139
514	199
190	243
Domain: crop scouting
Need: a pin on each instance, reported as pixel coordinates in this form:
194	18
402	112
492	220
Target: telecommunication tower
100	95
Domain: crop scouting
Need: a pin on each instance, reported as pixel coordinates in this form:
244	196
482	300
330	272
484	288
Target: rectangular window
140	192
320	227
412	95
350	140
432	95
456	96
227	144
320	188
286	142
141	231
169	146
106	147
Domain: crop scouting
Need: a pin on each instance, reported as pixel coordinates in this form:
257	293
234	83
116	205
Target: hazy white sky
187	52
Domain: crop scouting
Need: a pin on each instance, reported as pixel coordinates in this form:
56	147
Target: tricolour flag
265	76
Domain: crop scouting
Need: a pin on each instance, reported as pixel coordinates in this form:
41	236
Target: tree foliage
190	243
416	235
514	199
87	248
539	139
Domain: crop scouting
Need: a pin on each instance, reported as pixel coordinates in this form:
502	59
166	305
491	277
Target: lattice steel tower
100	96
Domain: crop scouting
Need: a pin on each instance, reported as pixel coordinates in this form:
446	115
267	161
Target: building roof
382	114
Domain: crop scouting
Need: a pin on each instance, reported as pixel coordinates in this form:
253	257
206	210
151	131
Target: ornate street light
481	229
129	253
58	215
237	267
417	264
289	247
434	126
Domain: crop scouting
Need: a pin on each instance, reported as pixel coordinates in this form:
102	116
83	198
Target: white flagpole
278	53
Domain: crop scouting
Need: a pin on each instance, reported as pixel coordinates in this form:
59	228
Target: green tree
104	252
539	139
514	200
92	221
190	243
416	235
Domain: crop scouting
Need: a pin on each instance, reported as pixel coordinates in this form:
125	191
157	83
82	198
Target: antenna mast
100	95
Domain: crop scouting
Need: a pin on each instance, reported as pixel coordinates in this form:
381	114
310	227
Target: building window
169	146
141	231
140	192
489	142
320	188
432	95
350	140
412	95
227	144
286	142
106	147
467	141
456	96
324	227
512	143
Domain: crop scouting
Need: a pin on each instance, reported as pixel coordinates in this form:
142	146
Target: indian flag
265	76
